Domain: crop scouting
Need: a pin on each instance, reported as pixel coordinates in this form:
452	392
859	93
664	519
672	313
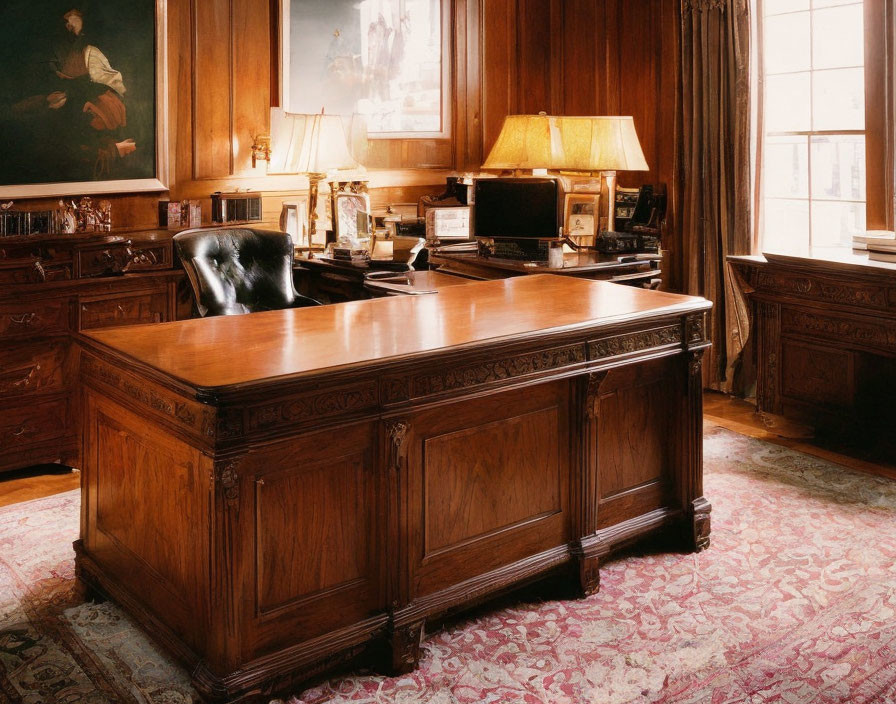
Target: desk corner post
587	549
696	507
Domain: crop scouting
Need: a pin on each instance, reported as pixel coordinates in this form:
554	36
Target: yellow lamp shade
525	142
572	143
600	144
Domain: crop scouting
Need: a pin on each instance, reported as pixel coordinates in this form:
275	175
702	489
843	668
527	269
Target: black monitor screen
516	207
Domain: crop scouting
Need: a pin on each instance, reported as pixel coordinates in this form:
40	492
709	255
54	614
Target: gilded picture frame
87	111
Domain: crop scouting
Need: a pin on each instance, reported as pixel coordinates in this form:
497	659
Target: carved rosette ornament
595	379
695	362
228	481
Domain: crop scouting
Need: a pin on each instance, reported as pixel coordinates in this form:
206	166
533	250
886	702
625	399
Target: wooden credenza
359	468
824	331
51	287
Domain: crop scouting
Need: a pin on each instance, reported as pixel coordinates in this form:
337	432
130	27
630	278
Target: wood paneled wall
578	57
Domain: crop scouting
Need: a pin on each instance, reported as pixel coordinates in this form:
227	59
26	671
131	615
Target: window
813	179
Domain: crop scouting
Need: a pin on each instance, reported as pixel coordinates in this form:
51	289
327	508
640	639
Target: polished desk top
231	351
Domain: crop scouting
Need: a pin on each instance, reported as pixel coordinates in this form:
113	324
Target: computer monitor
518	208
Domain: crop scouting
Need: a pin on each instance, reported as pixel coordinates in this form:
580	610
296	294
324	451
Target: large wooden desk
271	494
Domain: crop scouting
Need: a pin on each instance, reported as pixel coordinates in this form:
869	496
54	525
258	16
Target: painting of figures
78	93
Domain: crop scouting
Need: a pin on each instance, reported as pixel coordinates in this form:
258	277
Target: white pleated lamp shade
308	144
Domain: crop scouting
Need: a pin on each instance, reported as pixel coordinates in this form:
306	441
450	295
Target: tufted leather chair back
235	270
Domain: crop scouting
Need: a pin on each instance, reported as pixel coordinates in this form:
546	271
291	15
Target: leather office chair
235	270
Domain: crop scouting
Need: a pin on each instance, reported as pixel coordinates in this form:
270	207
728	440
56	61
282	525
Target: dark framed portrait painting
82	97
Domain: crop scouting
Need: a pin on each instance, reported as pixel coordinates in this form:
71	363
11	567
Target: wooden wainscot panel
490	476
183	416
817	374
635	440
316	535
139	476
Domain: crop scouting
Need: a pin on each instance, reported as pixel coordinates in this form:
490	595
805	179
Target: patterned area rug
795	601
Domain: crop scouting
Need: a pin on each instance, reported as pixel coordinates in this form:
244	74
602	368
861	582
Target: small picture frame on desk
294	221
351	215
580	217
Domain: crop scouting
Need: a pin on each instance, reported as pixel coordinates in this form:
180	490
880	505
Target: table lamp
314	145
526	143
604	144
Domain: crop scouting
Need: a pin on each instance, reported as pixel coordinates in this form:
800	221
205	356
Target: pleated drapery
713	166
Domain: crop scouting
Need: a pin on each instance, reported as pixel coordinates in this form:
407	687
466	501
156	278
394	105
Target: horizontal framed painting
82	97
385	61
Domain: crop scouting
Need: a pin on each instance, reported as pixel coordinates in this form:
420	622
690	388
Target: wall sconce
261	148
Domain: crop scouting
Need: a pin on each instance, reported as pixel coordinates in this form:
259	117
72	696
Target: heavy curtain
713	166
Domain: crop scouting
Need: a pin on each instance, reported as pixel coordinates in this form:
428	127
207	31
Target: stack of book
880	244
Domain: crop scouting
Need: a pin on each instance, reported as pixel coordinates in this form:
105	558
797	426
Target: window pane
774	7
837	37
785	225
838	99
786	43
838	167
785	171
787	103
834	224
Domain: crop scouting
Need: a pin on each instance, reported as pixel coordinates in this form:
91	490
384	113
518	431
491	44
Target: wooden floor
36	483
741	416
732	413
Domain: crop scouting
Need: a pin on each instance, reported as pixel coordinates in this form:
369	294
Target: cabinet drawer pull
25	319
20	432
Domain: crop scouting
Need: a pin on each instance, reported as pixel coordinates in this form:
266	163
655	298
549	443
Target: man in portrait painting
68	115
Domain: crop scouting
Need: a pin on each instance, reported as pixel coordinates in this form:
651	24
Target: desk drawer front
29	368
124	310
33	318
33	423
151	257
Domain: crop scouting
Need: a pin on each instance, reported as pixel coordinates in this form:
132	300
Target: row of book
880	245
